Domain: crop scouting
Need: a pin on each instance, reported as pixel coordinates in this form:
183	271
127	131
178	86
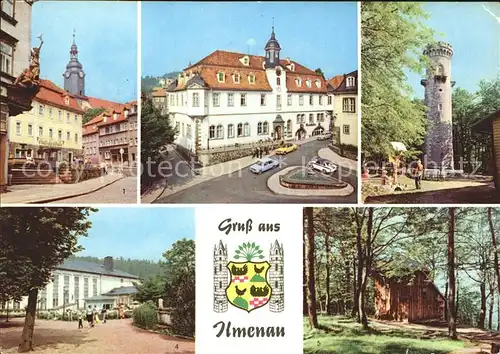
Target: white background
207	236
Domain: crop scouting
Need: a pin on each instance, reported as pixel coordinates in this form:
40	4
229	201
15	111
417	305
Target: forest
449	253
141	267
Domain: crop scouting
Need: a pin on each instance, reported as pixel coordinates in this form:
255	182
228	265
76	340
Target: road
123	191
246	187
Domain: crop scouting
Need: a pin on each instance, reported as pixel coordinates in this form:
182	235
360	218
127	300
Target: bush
145	316
181	301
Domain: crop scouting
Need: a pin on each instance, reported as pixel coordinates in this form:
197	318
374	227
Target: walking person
103	312
418	172
96	315
80	319
90	316
122	314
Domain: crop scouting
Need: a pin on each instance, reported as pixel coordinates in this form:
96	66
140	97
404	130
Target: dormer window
221	77
251	78
105	119
66	100
350	81
125	113
298	82
245	60
236	78
318	83
115	116
292	67
308	83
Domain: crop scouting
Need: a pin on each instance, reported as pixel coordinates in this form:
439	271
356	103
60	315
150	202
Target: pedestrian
103	312
96	315
90	316
122	314
418	172
260	152
80	319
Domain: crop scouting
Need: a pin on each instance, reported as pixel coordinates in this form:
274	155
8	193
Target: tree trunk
29	323
498	312
446	302
367	269
305	311
495	248
452	323
492	306
359	271
354	310
7	316
327	280
311	291
482	313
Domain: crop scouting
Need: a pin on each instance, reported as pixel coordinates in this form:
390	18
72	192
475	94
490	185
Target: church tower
272	52
221	278
276	277
438	90
74	77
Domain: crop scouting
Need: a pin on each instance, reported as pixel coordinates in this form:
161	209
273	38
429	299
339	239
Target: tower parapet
439	49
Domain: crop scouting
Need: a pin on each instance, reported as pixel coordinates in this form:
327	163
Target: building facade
342	104
75	281
51	131
233	99
15	41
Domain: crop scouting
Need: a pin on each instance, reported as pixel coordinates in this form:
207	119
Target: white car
322	165
263	165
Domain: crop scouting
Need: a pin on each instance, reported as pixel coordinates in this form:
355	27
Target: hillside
141	268
148	82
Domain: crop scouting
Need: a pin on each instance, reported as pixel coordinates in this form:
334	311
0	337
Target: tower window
440	107
440	70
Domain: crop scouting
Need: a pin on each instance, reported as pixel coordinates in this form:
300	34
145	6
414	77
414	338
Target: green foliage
34	241
148	82
150	289
143	268
145	316
468	306
180	286
393	34
320	72
249	251
91	113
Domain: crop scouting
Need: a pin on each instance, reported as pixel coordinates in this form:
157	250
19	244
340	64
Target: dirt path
116	336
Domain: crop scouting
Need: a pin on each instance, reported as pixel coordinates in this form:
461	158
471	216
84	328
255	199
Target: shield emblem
248	289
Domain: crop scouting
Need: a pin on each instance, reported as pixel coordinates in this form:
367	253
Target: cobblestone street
114	193
116	336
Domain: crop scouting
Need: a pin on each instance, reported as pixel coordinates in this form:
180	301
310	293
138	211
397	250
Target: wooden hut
411	298
490	126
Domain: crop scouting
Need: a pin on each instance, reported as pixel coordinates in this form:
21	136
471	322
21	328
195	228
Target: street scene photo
386	280
68	130
249	103
76	280
430	102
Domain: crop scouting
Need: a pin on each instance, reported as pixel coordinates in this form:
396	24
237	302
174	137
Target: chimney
108	263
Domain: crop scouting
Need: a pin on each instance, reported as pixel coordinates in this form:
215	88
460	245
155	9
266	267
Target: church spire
74	76
272	49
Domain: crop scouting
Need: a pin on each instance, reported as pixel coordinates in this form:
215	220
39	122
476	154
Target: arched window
289	125
211	132
259	128
240	129
298	118
440	70
318	83
311	118
246	129
266	128
220	131
220	76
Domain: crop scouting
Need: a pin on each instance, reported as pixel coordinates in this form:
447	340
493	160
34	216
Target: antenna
273	24
74	33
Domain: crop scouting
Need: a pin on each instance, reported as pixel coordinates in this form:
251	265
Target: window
60	116
40	110
221	76
220	131
183	132
278	101
40	131
215	99
318	83
311	118
251	79
329	100
196	99
177	127
266	128
76	118
311	100
298	82
77	291
278	81
94	286
6	50
59	134
18	128
50	112
308	83
259	128
230	99
230	131
440	107
243	99
289	99
350	81
440	70
320	98
76	137
298	118
211	132
346	129
301	100
262	99
245	60
349	105
67	117
236	78
246	129
240	129
55	291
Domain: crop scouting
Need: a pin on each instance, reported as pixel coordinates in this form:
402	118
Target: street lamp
65	291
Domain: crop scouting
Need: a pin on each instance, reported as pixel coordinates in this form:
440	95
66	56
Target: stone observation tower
276	277
438	88
221	277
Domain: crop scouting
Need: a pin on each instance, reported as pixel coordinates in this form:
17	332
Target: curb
53	199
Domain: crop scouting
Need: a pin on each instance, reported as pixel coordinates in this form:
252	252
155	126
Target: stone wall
216	156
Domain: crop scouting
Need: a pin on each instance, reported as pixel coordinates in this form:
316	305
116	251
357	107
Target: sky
106	36
136	233
475	37
315	34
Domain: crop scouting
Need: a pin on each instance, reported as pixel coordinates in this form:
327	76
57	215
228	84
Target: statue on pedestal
31	76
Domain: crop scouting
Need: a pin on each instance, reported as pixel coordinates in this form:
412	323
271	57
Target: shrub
145	316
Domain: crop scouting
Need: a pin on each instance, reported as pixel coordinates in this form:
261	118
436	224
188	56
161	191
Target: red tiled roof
229	63
158	92
336	81
109	114
100	103
51	94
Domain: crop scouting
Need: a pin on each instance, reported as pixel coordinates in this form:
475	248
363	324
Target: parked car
263	165
324	137
286	149
322	165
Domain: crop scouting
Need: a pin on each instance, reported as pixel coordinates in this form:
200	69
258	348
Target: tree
391	33
452	315
320	72
495	249
150	289
34	241
311	291
92	113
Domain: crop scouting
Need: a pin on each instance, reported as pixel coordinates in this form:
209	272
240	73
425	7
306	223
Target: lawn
344	336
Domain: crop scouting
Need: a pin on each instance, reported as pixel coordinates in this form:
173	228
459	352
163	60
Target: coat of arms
249	281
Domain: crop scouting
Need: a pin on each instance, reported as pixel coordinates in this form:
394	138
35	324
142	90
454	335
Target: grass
343	335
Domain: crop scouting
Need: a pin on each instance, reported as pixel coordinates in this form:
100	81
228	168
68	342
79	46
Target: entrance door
70	157
278	132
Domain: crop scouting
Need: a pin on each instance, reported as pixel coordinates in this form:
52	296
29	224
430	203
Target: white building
231	99
76	283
